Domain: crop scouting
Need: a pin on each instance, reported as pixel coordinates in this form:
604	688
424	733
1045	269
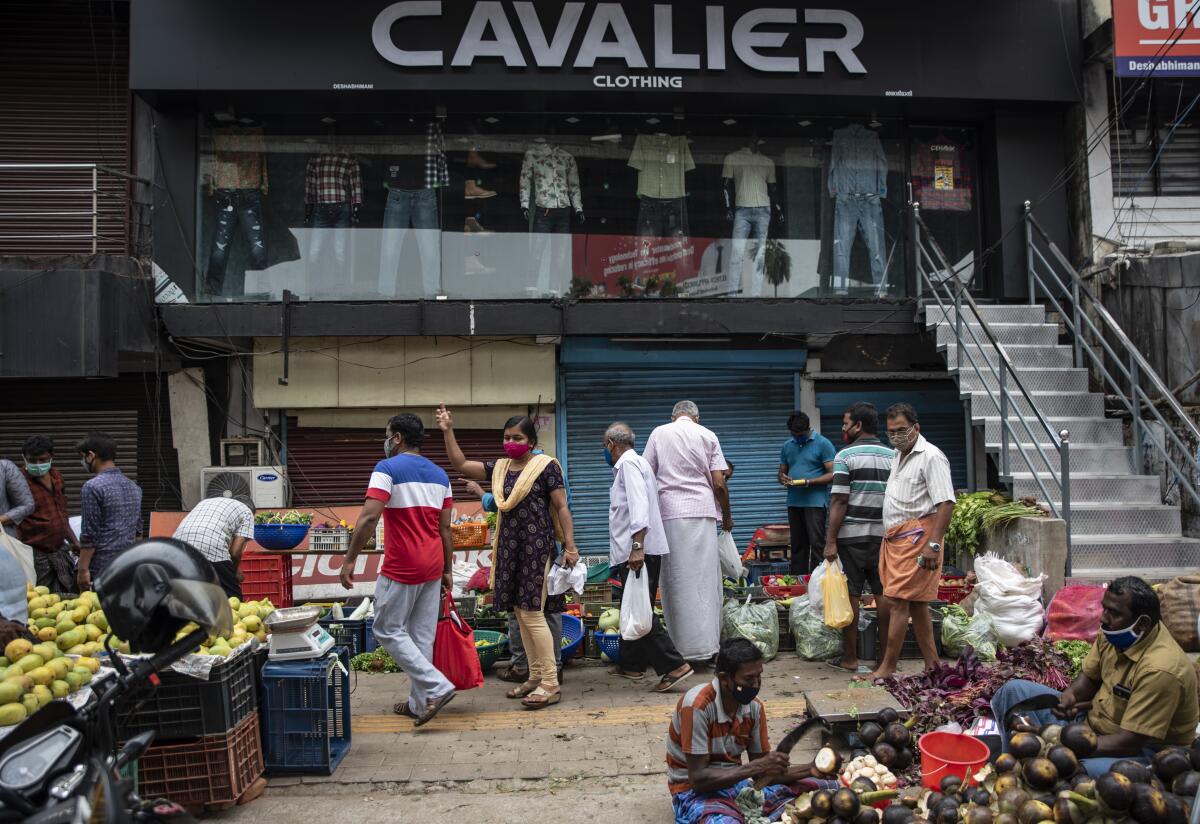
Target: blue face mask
799	439
1123	638
608	457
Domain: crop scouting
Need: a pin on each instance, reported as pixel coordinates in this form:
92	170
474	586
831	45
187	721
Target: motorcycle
63	766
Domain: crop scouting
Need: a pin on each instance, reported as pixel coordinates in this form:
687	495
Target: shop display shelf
306	714
215	769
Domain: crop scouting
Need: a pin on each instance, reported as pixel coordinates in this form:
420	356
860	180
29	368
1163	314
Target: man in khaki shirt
1137	689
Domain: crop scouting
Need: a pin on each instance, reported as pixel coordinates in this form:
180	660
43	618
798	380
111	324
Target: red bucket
950	753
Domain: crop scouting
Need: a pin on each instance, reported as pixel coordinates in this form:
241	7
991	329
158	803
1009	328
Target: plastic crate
346	633
465	606
601	593
306	714
953	589
215	769
470	534
370	643
332	541
757	569
267	576
869	647
186	707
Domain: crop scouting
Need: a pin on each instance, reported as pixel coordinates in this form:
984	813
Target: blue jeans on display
545	222
662	217
852	214
749	221
235	207
329	216
1014	692
415	210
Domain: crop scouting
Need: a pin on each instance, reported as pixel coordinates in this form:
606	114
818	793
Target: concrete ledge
1035	545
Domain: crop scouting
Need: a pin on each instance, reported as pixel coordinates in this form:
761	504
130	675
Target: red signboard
1159	37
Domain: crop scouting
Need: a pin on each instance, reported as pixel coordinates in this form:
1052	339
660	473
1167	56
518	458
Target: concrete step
1083	430
1043	379
1094	458
1151	575
1014	313
1090	519
1133	552
1021	355
1093	488
1051	404
1031	334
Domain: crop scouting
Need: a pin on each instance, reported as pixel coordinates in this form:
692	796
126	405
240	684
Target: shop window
1155	139
502	206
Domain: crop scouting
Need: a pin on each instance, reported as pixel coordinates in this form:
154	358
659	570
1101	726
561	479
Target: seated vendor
713	725
1137	689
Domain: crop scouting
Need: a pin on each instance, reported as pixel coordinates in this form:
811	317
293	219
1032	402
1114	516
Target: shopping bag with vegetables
835	592
757	623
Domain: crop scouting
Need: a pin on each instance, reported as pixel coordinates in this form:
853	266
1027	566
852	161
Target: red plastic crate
954	593
267	576
215	769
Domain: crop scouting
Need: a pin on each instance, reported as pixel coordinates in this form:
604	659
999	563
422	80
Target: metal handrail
94	190
1004	371
1128	362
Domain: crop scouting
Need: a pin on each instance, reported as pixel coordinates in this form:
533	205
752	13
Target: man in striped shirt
860	474
713	725
413	495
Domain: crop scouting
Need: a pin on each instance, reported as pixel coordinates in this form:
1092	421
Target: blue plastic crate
370	642
306	714
757	569
347	633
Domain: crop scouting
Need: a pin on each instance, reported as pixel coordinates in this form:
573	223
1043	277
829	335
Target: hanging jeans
854	214
235	207
544	222
662	217
411	213
332	220
749	221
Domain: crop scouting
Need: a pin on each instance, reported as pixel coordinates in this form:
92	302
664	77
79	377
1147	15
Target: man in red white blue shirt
413	495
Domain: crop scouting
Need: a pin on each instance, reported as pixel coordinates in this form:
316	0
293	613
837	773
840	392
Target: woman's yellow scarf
525	481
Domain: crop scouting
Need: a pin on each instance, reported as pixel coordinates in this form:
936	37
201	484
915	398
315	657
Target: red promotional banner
628	265
1159	37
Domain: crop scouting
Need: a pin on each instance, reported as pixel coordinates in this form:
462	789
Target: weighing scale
295	634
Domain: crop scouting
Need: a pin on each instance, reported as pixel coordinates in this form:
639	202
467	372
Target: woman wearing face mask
531	502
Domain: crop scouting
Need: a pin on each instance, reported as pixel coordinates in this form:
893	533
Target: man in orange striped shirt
713	725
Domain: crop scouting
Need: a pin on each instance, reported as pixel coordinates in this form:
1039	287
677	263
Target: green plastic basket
490	653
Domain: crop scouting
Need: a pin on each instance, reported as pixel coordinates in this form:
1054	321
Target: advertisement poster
628	265
1158	37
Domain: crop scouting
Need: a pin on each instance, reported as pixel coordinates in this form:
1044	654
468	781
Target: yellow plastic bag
835	593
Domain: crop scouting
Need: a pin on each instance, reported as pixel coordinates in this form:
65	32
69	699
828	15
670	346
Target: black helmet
151	590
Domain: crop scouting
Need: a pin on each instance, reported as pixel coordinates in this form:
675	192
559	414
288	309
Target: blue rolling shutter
940	410
746	407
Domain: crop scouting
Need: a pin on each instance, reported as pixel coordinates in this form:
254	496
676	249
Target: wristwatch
637	546
935	546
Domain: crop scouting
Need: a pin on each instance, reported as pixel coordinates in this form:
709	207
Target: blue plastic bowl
609	644
280	536
573	632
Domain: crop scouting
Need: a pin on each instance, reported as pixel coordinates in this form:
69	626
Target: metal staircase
1044	428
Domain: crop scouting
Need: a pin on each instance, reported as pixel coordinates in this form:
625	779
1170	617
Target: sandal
522	691
514	675
433	708
632	676
539	699
403	710
668	681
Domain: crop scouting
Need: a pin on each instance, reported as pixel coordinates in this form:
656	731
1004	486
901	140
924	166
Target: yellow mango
42	590
74	680
60	689
91	663
12	713
46	649
42	623
78	649
53	599
59	666
93	632
47	634
80	614
83	673
42	676
97	619
30	702
42	694
38	603
23	681
34	614
17	649
10	691
64	625
31	662
252	623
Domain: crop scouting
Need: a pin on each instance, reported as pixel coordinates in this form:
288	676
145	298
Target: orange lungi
898	570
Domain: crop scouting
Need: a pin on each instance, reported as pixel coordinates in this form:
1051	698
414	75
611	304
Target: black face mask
744	695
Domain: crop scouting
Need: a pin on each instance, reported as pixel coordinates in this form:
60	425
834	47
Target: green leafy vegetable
1075	651
960	630
290	517
377	661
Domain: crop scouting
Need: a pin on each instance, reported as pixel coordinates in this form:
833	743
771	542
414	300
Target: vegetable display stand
206	773
186	707
347	633
267	576
870	646
953	589
306	714
757	569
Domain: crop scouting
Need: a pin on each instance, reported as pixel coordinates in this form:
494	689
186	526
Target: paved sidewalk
601	749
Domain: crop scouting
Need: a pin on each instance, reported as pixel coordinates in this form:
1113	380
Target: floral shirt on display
552	175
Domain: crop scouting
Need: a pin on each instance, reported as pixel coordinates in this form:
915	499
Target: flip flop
433	709
668	681
861	669
521	691
632	676
551	698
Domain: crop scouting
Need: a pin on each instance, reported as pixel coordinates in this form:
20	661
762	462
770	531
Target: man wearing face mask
110	506
1137	689
47	528
713	726
806	469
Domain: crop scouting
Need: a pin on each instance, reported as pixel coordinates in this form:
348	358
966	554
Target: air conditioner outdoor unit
262	487
243	452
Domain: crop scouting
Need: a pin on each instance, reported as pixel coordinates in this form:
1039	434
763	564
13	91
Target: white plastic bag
731	562
565	579
23	553
1009	598
815	601
637	612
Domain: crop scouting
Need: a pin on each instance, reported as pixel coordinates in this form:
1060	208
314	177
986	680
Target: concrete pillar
808	395
189	430
1099	162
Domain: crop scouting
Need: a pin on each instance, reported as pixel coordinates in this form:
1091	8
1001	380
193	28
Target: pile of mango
33	675
248	615
76	626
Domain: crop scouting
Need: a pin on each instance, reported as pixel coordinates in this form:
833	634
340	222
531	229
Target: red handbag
454	653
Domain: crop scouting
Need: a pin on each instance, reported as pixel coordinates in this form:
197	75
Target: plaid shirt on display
333	178
437	173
